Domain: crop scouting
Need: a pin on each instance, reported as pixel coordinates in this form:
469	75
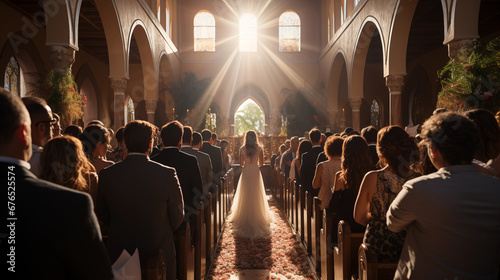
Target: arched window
375	114
289	32
130	115
11	78
248	33
167	21
356	2
248	116
204	32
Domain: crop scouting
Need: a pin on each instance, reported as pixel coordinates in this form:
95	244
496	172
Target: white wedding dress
250	215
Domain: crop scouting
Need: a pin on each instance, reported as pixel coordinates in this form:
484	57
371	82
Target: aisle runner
281	254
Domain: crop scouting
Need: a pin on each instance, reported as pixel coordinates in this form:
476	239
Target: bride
250	213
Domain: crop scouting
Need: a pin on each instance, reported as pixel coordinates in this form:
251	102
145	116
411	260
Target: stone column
355	105
119	85
151	109
455	46
62	58
395	84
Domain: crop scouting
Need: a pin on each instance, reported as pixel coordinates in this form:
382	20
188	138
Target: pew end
370	269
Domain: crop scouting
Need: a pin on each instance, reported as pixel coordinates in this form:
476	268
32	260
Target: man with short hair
452	216
215	154
41	128
369	133
191	143
308	162
187	169
56	233
289	155
140	200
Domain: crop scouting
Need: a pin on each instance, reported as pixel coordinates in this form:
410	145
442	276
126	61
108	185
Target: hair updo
397	149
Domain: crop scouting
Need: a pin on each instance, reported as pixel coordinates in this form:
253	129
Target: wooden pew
327	247
296	206
316	225
345	253
200	263
209	220
185	253
214	226
370	269
290	202
301	211
155	267
293	206
308	213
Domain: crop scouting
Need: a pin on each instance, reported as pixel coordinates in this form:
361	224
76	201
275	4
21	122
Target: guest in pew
452	216
187	169
120	152
289	155
140	200
356	162
489	140
308	162
56	232
282	150
64	162
369	133
73	130
304	147
398	155
41	129
191	144
95	139
324	178
215	154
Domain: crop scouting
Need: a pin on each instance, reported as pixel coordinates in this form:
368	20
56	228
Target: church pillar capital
454	47
395	83
62	58
151	109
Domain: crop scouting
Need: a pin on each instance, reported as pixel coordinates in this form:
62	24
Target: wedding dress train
250	215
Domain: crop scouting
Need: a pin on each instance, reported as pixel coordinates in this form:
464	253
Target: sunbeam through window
248	33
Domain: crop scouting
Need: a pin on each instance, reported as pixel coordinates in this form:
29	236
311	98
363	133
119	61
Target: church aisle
279	256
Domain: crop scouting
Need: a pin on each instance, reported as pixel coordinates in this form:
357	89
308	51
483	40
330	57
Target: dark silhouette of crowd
416	198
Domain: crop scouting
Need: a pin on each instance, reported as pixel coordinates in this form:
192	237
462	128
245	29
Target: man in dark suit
289	155
50	231
308	162
215	154
140	200
187	169
369	133
191	143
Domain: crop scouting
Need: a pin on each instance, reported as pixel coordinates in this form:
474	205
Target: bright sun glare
248	33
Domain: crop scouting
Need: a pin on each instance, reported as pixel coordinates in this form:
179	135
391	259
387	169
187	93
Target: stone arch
369	26
118	56
241	103
139	31
333	95
257	95
461	19
398	37
88	86
419	91
59	23
165	99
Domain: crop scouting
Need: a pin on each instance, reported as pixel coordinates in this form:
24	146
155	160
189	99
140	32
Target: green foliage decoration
61	93
472	79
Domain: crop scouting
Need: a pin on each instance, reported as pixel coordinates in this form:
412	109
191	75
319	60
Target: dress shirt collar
16	162
36	148
182	146
316	146
137	154
171	147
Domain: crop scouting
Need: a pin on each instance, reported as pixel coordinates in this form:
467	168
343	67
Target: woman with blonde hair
399	155
64	162
324	178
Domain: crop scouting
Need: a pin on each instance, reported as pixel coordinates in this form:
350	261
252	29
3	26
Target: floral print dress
387	245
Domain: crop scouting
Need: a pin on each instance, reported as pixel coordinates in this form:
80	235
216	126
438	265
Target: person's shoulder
42	189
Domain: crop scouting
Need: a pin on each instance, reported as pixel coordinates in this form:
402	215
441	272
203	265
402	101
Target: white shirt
36	167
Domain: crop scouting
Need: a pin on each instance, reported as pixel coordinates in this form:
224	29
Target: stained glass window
248	33
204	32
375	114
289	32
11	78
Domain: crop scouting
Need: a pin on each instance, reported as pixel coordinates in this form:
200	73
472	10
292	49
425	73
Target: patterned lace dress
386	244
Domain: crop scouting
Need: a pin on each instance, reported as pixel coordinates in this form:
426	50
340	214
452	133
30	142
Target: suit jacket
321	157
141	202
452	219
308	169
374	155
56	232
205	165
288	156
215	154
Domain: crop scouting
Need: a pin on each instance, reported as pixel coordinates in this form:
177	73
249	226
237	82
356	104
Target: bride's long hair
251	142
